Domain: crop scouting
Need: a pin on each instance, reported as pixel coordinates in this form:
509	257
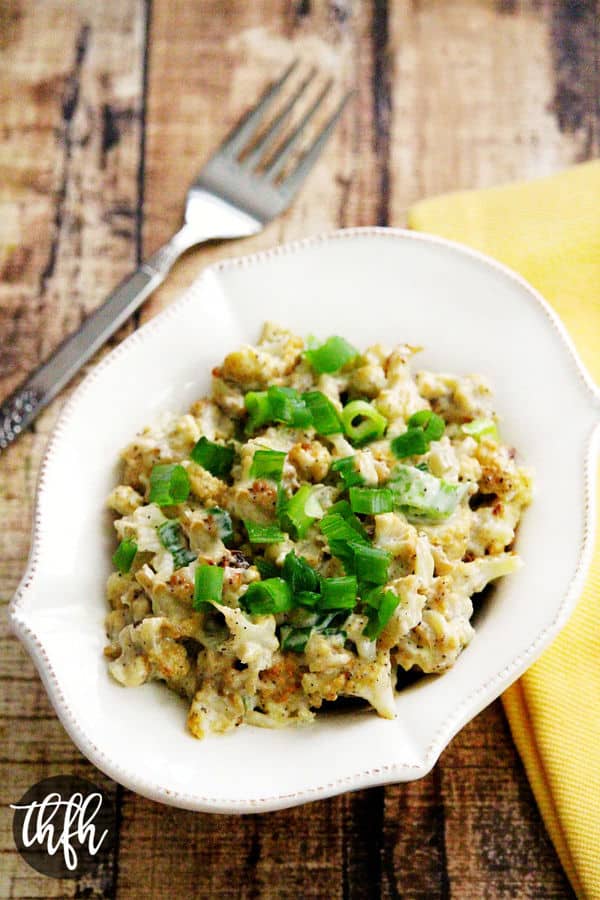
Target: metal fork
241	188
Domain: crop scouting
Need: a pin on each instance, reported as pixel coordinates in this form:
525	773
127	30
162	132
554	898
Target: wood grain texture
107	111
70	108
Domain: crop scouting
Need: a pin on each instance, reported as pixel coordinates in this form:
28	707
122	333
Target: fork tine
279	160
243	131
257	152
290	185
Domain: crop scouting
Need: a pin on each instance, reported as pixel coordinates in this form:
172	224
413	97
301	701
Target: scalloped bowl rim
468	706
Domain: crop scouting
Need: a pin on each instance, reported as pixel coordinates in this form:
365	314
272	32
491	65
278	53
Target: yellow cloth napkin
549	231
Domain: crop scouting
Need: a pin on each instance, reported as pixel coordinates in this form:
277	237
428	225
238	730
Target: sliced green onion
124	555
343	551
371	501
424	427
169	484
325	419
263	534
281	502
342	537
299	573
259	408
362	422
293	516
381	605
288	407
171	537
336	528
420	418
346	468
294	639
267	569
343	508
412	443
479	428
224	523
421	496
338	593
267	597
208	585
371	564
309	599
331	356
278	404
432	424
216	458
267	464
435	427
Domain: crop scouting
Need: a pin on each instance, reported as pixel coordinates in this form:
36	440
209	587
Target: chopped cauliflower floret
228	397
213	712
369	378
442	633
206	487
254	643
449	540
373	682
211	421
424	562
276	354
394	534
401	398
469	467
408	612
204	533
442	460
333	386
311	460
493	529
141	527
324	653
255	500
367	467
149	650
456	398
354	627
124	500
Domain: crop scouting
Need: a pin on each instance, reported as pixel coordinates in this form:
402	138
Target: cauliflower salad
314	527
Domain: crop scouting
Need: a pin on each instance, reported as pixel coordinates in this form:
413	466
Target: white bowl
472	315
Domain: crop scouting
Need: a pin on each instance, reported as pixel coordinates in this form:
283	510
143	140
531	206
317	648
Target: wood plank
471	828
474	89
494	836
70	106
228	856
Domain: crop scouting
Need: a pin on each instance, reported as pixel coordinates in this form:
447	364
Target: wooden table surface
107	109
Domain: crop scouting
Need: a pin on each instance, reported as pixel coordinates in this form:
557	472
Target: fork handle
35	393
